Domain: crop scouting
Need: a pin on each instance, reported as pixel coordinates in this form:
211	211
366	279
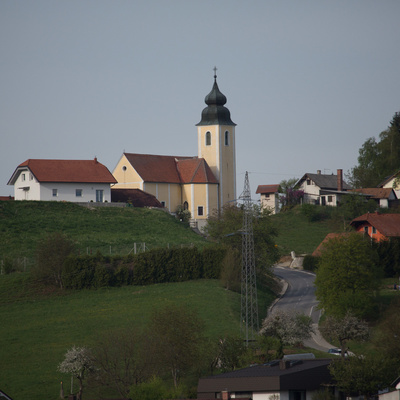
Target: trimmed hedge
154	266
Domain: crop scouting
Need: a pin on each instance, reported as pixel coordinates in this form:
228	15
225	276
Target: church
200	184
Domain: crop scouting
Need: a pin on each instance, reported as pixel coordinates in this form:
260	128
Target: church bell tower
216	143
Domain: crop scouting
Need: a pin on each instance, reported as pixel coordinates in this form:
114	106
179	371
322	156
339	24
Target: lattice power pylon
249	307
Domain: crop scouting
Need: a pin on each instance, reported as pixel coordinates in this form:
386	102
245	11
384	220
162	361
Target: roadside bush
310	263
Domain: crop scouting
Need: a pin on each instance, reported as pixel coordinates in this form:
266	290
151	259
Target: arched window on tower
185	205
208	138
226	138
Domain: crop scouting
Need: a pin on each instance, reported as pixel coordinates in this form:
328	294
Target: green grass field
37	328
23	224
38	325
296	233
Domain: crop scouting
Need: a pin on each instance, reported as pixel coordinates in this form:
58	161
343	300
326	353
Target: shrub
310	263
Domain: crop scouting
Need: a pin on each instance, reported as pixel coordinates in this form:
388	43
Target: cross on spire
215	72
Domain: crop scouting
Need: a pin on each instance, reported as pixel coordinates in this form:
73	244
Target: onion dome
215	113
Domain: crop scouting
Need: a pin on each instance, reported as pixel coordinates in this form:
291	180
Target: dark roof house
298	378
323	189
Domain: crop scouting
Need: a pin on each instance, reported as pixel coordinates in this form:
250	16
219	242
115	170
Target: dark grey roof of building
324	181
298	375
215	113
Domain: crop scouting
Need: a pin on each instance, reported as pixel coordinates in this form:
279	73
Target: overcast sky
307	82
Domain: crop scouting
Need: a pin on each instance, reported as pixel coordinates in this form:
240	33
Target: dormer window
208	138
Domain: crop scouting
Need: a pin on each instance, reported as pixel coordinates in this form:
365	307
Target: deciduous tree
347	276
363	375
344	329
289	327
176	336
226	227
51	254
78	362
119	360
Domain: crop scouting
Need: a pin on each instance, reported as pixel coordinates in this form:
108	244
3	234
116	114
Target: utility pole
249	307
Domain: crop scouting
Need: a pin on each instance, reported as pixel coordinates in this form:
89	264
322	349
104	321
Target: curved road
300	296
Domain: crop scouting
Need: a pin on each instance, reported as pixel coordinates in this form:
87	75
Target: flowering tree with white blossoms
77	362
288	327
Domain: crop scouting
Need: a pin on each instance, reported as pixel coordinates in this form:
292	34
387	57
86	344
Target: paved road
300	296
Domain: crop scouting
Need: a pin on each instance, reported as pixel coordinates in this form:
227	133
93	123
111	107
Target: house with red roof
62	180
384	197
378	226
269	197
201	184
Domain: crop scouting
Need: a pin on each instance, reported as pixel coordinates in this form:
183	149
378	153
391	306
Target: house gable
386	225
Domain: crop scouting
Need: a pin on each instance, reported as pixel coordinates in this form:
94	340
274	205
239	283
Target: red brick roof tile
387	224
82	171
267	189
171	169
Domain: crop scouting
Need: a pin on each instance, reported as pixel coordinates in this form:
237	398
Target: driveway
300	296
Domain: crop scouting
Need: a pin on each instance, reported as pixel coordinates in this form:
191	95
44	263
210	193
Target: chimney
284	364
340	180
225	395
95	159
318	171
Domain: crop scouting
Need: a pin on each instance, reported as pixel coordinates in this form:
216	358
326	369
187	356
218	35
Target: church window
78	192
200	211
186	205
226	138
124	168
208	138
55	193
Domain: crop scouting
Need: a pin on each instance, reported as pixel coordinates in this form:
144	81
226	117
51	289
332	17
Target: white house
276	380
393	182
62	180
323	189
269	197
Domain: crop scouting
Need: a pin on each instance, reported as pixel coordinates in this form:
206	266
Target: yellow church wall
167	193
200	195
126	175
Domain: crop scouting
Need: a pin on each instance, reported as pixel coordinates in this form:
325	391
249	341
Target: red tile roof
82	171
387	224
318	251
171	169
375	193
267	189
195	170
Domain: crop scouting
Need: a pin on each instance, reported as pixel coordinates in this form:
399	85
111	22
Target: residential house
384	197
280	380
269	197
200	184
378	226
393	182
393	395
322	189
62	180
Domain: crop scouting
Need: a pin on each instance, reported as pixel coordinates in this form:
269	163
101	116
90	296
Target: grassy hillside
297	233
23	224
37	328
